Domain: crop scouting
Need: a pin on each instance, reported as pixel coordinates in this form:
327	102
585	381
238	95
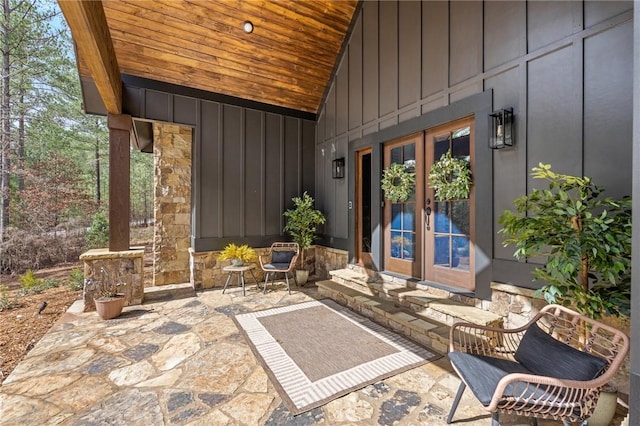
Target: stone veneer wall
172	203
125	267
206	270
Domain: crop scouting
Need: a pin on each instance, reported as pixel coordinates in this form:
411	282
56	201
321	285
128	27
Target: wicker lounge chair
281	258
553	367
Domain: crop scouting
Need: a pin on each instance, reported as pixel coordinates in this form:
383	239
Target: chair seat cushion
482	374
276	266
546	356
282	257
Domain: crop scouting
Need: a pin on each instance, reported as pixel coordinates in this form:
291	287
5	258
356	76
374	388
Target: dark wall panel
389	57
254	173
550	21
435	47
342	98
275	170
505	36
598	11
292	159
607	92
233	169
209	197
355	76
341	194
465	54
409	59
308	156
554	109
157	105
370	62
509	165
330	113
184	110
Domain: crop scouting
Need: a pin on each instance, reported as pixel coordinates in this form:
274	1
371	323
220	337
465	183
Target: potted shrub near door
302	221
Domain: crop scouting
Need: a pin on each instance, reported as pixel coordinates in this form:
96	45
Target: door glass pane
441	252
440	146
408	217
396	155
460	253
460	143
460	217
409	246
441	216
396	244
396	216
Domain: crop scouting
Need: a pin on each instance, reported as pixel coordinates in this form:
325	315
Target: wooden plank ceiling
287	61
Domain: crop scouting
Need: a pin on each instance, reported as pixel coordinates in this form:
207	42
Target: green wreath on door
450	178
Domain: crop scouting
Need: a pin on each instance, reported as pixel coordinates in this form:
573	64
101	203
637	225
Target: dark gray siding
247	165
564	67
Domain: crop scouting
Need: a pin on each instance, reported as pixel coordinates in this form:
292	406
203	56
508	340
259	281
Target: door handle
427	212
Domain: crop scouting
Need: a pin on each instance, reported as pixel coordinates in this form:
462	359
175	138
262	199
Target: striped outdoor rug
317	351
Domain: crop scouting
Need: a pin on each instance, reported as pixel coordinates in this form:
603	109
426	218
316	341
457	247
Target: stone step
412	324
168	292
430	302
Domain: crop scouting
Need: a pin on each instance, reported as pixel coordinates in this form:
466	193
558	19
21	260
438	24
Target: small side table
240	270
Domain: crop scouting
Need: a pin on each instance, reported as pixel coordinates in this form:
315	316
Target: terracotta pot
109	307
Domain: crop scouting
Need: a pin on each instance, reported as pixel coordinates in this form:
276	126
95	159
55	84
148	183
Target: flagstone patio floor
184	362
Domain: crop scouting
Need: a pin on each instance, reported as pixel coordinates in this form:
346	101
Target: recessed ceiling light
247	27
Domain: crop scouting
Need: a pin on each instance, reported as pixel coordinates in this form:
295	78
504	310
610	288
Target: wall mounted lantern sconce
501	126
337	168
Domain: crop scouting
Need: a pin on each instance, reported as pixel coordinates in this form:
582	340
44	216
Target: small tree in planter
585	240
301	224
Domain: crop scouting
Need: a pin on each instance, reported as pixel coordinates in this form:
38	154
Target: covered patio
184	362
256	114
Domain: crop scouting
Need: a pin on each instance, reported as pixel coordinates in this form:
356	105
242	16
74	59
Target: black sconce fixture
501	135
337	168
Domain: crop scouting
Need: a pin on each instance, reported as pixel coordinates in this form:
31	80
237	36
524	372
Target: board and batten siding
564	67
247	166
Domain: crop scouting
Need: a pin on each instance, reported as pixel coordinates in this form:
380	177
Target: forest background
54	161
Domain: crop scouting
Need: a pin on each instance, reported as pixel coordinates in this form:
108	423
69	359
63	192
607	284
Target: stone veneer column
126	267
172	203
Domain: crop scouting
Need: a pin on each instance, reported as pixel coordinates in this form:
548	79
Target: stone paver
184	362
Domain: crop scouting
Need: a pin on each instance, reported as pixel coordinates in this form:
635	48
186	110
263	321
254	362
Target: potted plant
110	301
585	241
238	255
301	224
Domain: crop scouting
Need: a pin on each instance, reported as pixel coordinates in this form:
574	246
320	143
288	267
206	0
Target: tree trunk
22	113
5	118
97	157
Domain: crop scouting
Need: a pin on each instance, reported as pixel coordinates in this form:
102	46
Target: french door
402	224
449	224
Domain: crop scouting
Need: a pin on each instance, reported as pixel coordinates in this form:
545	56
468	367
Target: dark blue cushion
482	374
277	266
542	354
282	257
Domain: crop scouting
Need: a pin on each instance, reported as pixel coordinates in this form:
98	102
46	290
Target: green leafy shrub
7	302
98	233
585	240
76	280
30	284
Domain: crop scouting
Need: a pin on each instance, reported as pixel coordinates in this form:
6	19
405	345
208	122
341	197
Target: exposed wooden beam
88	25
120	127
